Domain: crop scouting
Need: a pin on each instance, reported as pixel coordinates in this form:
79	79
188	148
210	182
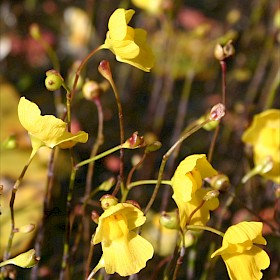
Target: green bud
134	141
24	260
107	185
34	31
91	90
169	220
220	182
107	201
211	194
53	80
153	147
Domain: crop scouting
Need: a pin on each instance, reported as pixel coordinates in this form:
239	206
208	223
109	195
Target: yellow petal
127	255
48	129
118	23
247	265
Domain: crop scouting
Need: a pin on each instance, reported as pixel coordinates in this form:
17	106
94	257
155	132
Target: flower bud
169	220
211	194
27	228
153	147
34	31
105	70
91	90
223	52
25	260
107	185
134	141
53	80
220	182
107	201
217	112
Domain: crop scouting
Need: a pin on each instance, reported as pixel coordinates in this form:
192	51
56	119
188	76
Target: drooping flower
264	136
188	194
124	251
128	44
46	130
243	259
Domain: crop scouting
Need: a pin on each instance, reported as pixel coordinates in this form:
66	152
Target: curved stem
198	227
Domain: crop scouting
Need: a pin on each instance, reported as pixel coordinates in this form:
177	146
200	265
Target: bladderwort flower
153	7
188	194
243	259
128	44
124	251
46	130
264	136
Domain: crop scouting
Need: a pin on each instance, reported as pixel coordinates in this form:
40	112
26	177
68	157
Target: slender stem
213	142
12	211
65	257
98	143
165	158
117	96
99	156
272	91
198	227
194	211
80	68
224	68
147	182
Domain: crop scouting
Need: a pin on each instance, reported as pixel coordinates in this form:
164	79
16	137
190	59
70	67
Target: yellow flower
188	194
46	130
153	7
124	251
264	136
243	259
128	44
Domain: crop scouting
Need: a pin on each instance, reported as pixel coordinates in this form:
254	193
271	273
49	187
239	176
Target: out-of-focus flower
188	194
264	136
46	130
243	259
128	44
153	7
124	251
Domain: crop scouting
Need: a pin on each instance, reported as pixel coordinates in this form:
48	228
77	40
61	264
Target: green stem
108	152
198	227
147	182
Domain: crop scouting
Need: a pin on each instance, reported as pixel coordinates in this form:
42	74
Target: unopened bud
91	90
217	112
25	260
105	70
220	182
107	185
169	220
210	195
94	217
153	147
134	141
27	228
34	31
53	80
223	52
107	201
